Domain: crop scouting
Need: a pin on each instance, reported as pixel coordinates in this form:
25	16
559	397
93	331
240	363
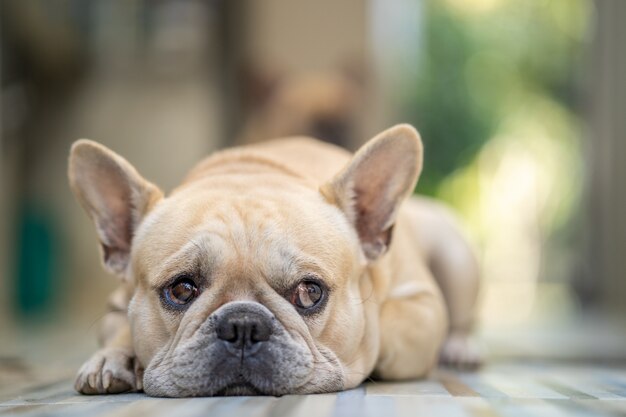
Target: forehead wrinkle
259	239
254	232
285	263
245	220
284	257
229	221
193	255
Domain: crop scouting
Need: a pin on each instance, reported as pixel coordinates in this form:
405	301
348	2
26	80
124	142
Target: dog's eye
181	292
306	295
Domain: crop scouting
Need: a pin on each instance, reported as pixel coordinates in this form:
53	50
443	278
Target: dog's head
250	284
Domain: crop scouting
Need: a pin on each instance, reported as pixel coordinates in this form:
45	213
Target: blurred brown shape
322	105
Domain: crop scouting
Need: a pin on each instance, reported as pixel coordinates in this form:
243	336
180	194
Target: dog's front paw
109	371
461	351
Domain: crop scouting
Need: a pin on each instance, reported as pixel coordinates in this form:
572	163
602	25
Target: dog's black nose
243	329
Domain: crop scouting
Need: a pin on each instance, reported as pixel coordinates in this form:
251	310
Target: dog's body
270	270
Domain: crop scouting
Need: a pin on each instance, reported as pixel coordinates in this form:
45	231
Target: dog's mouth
239	389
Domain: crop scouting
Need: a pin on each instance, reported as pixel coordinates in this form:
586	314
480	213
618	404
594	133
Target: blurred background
521	105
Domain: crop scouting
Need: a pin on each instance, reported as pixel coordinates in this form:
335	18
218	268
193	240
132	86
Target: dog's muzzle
240	349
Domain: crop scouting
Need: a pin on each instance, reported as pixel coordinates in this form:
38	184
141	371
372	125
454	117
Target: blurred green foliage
480	60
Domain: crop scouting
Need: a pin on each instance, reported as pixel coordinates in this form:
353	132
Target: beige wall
306	35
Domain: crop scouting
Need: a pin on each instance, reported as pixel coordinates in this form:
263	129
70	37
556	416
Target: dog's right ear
114	196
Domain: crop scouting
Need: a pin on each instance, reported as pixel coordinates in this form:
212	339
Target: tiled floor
513	389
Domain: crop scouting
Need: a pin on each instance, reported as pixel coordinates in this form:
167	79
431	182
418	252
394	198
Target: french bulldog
285	267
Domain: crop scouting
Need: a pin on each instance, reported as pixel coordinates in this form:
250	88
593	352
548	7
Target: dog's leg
455	268
113	368
456	271
412	329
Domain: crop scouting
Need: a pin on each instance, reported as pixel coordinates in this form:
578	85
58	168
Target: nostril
227	331
243	330
260	333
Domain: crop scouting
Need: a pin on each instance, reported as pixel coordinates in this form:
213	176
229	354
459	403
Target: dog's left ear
370	189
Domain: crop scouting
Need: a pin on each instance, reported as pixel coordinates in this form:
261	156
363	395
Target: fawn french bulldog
286	267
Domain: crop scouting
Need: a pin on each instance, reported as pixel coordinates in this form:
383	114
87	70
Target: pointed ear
370	189
114	196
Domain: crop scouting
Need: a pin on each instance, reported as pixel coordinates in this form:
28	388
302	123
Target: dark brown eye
181	292
306	295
